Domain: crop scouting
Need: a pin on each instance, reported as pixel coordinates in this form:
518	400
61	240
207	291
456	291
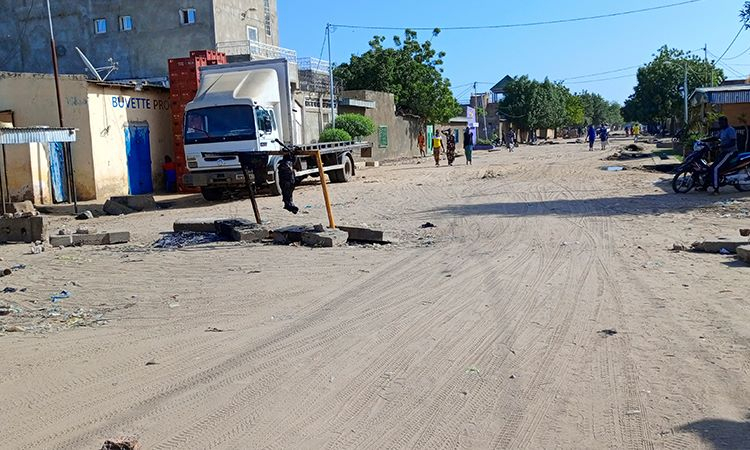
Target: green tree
657	96
334	135
358	126
575	113
411	70
532	105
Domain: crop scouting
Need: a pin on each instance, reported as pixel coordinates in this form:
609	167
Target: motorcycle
695	170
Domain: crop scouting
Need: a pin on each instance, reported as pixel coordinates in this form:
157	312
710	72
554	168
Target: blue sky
558	51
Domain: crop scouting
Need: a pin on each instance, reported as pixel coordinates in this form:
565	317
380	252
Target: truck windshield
220	124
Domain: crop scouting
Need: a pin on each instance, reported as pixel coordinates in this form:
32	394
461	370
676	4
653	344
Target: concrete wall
402	132
109	115
735	113
32	99
143	52
232	26
101	113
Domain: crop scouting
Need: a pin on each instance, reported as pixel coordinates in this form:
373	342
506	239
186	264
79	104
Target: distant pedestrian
604	136
468	145
591	137
636	131
170	174
450	150
510	139
437	146
421	142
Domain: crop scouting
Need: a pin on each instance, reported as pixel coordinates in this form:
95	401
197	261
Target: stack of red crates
184	78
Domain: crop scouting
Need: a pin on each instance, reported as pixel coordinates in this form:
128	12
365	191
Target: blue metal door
57	172
138	149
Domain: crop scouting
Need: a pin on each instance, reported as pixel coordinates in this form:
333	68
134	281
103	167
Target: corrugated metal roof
723	95
13	136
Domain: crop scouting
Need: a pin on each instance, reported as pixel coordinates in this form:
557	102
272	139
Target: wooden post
251	191
323	183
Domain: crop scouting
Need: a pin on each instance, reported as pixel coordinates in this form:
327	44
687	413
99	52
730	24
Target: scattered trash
512	377
428	225
5	310
152	363
614	168
37	248
174	305
679	248
472	371
15	329
214	330
122	444
185	239
86	215
18	267
633	412
608	332
56	298
745	232
5	272
724	251
10	290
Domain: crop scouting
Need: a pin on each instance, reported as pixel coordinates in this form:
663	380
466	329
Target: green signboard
383	137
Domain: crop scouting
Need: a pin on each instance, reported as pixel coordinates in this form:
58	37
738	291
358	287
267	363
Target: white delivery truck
240	112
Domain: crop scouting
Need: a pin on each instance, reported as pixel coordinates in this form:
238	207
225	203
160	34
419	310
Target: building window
267	13
100	26
187	16
126	23
252	34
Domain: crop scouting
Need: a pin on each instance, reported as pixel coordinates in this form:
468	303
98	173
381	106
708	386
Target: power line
742	28
601	73
521	25
602	79
322	48
743	53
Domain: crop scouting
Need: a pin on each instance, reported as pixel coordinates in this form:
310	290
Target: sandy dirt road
484	332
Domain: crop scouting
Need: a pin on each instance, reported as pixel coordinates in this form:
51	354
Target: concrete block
715	246
250	234
372	164
117	237
136	202
61	241
199	225
116	209
743	253
327	239
89	239
365	235
23	229
289	235
21	207
225	227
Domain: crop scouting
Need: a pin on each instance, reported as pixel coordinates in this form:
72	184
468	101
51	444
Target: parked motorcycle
694	173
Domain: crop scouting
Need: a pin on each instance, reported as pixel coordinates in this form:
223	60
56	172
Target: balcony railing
314	65
257	50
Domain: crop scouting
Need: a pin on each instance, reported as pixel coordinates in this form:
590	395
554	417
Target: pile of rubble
201	231
740	247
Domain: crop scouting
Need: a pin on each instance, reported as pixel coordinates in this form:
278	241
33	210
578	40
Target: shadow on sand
721	434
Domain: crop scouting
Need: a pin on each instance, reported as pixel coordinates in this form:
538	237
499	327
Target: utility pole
55	66
685	87
330	76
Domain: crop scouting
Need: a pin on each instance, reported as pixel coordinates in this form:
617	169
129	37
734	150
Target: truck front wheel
212	194
346	174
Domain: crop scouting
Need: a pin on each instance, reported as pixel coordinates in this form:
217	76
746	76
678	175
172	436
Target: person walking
170	174
421	142
450	150
437	147
604	136
468	145
636	131
510	139
591	137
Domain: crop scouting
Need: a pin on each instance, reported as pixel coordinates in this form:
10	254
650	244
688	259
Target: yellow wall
32	99
112	109
99	155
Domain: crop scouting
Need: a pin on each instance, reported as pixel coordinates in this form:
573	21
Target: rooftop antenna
96	72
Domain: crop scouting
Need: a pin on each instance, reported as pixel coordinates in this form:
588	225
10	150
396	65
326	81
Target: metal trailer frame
43	135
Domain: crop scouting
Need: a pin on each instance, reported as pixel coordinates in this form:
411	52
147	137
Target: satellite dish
96	71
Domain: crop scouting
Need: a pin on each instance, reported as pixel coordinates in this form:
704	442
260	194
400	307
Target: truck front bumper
222	178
